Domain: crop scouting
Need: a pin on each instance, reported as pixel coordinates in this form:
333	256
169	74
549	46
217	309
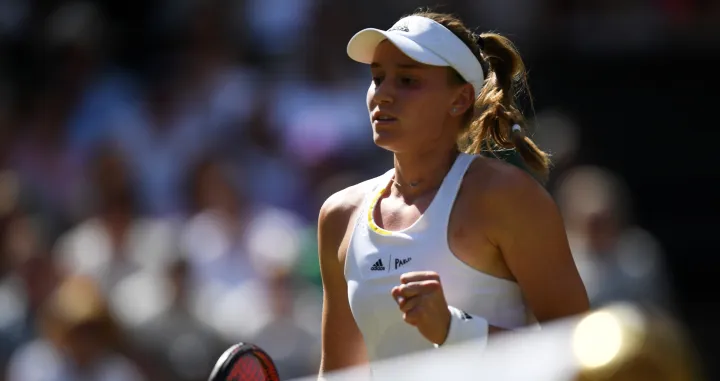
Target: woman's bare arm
530	233
342	342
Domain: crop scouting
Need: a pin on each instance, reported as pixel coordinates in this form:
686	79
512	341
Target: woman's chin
388	141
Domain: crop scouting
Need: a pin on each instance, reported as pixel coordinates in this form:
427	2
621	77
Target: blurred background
162	164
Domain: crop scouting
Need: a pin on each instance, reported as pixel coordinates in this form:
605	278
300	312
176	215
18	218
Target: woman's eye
405	81
377	80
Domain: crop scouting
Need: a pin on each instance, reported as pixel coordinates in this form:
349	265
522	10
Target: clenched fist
421	299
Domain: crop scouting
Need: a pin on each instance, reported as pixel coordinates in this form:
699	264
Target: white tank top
376	258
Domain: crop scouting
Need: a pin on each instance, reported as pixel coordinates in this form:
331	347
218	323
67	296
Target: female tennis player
449	245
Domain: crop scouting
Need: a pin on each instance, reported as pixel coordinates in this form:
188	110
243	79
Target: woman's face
411	104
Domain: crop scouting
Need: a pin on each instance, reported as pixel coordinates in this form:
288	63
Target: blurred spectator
160	139
198	94
156	311
51	174
76	34
277	180
291	336
616	259
226	244
78	343
279	26
115	240
213	236
28	278
321	111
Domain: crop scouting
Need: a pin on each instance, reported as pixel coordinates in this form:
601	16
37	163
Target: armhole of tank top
455	259
361	214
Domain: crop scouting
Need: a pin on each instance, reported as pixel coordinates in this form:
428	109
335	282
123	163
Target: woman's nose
383	93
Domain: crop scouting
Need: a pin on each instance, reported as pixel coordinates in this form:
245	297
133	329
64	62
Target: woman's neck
419	173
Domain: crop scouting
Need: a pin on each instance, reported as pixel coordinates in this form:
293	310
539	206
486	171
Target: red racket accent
270	369
253	366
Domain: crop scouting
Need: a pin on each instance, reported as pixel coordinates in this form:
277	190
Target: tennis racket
244	362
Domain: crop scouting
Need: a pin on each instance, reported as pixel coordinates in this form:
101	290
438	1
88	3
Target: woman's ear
464	100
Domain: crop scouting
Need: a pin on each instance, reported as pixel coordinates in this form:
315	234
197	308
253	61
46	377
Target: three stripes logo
378	266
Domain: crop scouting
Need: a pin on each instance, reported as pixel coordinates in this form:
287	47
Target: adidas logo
466	316
378	266
401	262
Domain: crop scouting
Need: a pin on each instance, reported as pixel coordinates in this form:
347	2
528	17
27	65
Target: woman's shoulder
343	203
338	212
496	181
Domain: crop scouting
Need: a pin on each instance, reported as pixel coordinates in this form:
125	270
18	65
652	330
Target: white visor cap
425	41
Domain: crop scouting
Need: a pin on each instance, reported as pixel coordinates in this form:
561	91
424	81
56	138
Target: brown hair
496	111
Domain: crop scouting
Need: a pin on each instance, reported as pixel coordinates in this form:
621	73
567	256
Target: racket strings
253	367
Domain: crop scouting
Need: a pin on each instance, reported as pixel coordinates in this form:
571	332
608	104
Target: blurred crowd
162	164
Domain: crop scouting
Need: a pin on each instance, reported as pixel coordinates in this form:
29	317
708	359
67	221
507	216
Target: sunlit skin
425	113
412	93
